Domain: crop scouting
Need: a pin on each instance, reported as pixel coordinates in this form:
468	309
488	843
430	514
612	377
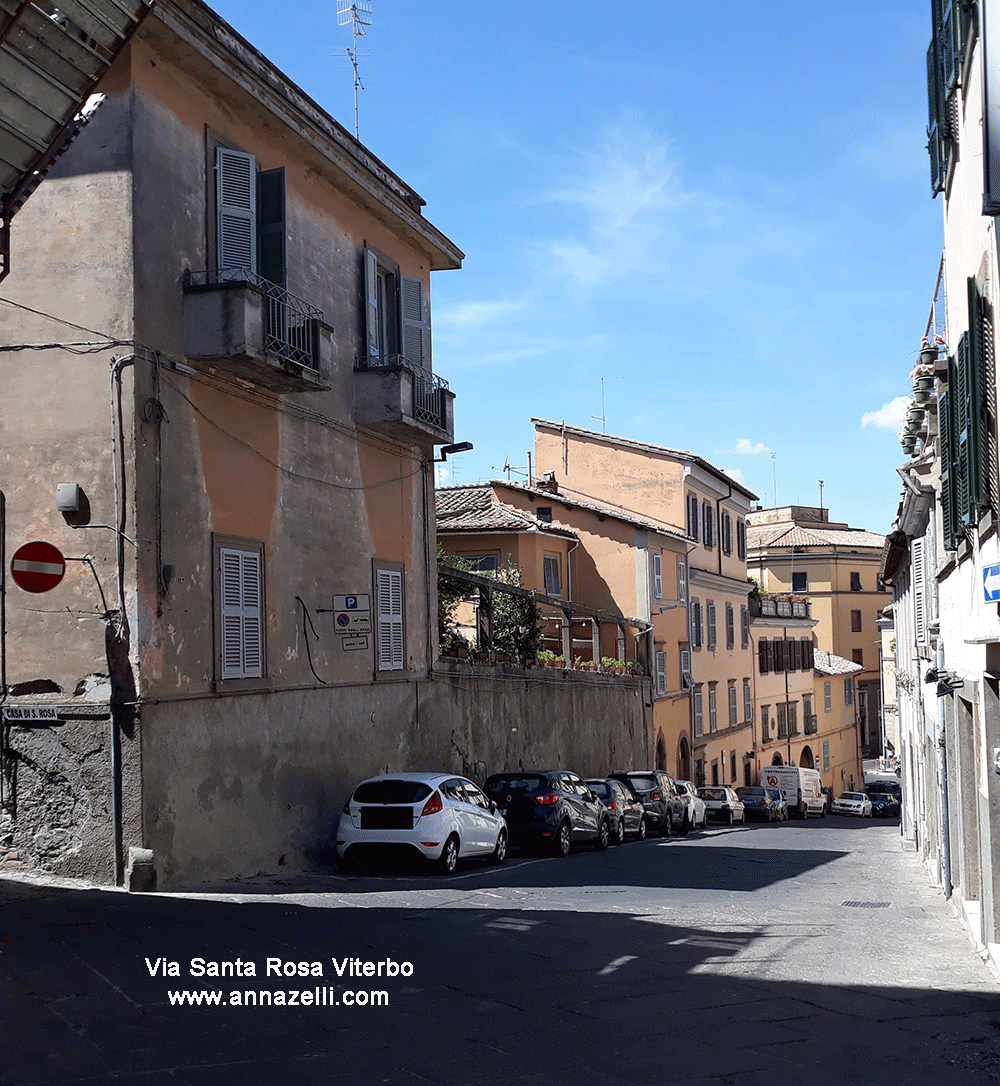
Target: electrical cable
306	616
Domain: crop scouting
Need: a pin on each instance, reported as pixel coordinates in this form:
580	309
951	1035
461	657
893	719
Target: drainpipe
942	745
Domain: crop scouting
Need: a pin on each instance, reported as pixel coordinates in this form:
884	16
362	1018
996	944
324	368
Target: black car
665	809
625	811
884	804
550	808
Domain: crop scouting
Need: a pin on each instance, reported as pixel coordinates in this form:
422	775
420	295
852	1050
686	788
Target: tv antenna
602	418
359	14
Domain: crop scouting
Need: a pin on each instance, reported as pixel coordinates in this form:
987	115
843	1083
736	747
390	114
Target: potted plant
922	376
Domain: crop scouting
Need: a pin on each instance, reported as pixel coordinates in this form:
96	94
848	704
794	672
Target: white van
802	789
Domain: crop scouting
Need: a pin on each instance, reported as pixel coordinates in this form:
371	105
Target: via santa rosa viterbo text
326	993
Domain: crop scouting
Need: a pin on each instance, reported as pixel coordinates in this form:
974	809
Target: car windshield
774	793
600	788
749	791
712	793
851	795
390	791
644	784
513	783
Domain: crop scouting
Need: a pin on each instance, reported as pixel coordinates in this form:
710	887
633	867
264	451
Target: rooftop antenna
602	418
821	496
359	14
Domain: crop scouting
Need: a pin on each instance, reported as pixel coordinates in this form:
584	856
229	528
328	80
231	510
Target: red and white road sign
37	566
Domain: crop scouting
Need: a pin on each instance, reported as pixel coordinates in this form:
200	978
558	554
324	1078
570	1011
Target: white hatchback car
693	804
853	803
439	816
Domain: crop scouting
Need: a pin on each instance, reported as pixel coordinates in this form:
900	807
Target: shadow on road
504	995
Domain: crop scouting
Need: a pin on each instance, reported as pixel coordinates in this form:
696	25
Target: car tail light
433	805
547	800
613	805
655	795
724	807
347	805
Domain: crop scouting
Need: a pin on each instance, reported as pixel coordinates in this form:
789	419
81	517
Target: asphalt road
795	954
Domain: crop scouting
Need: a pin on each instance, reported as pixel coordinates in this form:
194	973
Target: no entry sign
37	566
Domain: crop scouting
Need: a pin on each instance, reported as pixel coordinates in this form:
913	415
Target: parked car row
444	818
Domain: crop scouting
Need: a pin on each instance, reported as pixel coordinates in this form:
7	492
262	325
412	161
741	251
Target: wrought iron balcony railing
428	401
289	322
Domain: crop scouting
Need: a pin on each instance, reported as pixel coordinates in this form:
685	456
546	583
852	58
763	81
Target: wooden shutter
698	723
938	129
730	626
918	580
693	520
414	322
747	703
242	654
682	579
763	656
686	679
827	697
372	337
236	203
744	627
389	599
661	672
271	263
713	709
949	495
795	655
710	616
657	575
982	425
733	707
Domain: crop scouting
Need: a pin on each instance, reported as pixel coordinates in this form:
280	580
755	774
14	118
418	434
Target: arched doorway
661	753
806	760
776	760
683	760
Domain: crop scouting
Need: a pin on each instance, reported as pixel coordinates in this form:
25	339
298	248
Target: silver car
853	803
694	805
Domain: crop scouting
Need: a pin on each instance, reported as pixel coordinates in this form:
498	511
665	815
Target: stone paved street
799	953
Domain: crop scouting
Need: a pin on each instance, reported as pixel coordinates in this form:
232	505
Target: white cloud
735	474
441	476
475	313
890	416
745	447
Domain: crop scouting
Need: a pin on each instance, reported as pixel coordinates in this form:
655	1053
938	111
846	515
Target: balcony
404	400
811	725
780	608
238	322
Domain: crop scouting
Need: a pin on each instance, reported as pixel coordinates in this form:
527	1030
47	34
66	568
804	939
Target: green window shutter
979	429
962	434
949	497
372	312
271	226
938	129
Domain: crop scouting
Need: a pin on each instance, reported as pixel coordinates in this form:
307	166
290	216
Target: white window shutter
733	707
661	673
686	680
236	203
919	581
658	576
747	703
414	321
371	304
389	599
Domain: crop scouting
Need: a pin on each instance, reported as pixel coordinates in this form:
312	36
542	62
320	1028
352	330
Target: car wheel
640	833
685	826
603	836
449	855
665	827
563	839
346	865
500	852
619	834
730	818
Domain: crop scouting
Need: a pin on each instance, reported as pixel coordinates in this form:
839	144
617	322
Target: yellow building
837	718
797	549
685	494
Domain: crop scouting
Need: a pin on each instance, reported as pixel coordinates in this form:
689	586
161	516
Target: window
550	571
856	582
744	628
747	702
858	656
741	539
544	514
239	568
657	575
827	698
826	755
695	623
482	563
808	654
395	316
848	691
730	627
733	706
800	582
693	508
710	623
727	532
782	721
855	622
698	723
732	765
661	672
945	60
708	525
793	726
249	218
765	722
390	640
713	708
715	772
686	680
764	656
918	577
794	655
682	579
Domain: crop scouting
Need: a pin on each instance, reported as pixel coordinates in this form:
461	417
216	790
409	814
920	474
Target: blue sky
727	217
